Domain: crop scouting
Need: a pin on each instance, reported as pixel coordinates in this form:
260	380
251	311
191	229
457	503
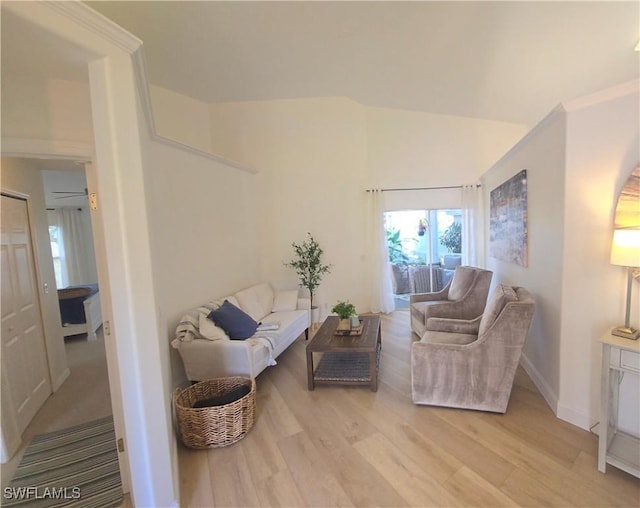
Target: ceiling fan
71	194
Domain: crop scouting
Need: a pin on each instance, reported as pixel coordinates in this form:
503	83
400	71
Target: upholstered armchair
472	363
464	297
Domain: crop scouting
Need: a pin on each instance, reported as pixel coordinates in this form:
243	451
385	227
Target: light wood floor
349	446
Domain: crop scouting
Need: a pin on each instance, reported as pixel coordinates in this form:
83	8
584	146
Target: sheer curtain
472	226
77	256
381	285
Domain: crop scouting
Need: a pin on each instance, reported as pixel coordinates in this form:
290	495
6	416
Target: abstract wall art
508	238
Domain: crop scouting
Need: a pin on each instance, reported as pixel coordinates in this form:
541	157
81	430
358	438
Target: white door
24	356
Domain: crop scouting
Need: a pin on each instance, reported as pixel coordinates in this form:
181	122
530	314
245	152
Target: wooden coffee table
346	360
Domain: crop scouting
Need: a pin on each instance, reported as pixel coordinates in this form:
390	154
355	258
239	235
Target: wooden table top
325	339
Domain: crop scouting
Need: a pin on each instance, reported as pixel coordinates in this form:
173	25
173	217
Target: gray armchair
464	297
472	363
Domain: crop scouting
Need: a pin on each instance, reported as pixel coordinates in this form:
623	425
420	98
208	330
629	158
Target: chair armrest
465	326
458	309
430	297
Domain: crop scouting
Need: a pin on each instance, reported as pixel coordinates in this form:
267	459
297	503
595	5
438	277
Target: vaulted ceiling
508	61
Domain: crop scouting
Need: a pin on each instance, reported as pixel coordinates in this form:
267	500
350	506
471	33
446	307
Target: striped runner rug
75	467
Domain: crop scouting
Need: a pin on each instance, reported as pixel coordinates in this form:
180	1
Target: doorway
424	248
46	37
86	393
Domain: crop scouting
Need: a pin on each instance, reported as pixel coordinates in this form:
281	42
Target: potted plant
422	227
308	264
347	313
452	238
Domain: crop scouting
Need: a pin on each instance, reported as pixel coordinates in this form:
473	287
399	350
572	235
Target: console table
619	357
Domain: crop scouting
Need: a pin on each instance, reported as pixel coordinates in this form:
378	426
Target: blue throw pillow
238	324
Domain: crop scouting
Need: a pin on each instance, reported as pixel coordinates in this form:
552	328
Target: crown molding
96	23
118	36
539	127
139	66
608	94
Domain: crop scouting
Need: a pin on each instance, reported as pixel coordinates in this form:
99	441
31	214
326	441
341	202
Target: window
424	246
56	249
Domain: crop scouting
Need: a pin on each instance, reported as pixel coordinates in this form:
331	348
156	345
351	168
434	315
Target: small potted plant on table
348	316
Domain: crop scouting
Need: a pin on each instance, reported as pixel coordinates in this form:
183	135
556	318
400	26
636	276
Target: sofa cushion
462	280
285	300
234	321
209	330
500	297
256	301
451	261
231	299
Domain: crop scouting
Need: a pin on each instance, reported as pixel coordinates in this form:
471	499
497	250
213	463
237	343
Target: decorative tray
350	331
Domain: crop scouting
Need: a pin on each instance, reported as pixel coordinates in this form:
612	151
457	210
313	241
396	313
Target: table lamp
625	251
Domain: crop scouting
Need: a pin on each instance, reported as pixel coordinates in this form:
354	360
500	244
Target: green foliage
394	244
344	310
308	264
452	238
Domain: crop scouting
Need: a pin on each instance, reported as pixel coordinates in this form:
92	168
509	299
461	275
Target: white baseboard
57	383
564	413
546	391
574	418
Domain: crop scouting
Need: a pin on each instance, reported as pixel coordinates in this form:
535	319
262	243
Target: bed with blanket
80	310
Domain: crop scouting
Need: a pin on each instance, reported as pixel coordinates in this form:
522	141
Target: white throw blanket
265	342
189	328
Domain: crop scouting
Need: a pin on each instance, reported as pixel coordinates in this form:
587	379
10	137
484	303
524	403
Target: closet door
24	360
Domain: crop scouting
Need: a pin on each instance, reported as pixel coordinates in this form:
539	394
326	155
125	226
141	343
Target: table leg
373	371
605	407
310	383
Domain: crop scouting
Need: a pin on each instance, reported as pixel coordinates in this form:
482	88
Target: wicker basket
215	426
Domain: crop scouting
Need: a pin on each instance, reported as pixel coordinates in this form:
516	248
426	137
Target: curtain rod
421	188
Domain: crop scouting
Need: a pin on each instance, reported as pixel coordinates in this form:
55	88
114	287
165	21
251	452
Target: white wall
19	176
577	162
181	118
316	157
414	149
33	109
541	153
202	232
310	155
603	148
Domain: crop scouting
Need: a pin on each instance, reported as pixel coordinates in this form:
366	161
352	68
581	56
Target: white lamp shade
625	249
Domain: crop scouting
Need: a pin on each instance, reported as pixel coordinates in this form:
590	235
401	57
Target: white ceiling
28	51
509	61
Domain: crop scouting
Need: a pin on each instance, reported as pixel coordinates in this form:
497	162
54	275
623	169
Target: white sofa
207	352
